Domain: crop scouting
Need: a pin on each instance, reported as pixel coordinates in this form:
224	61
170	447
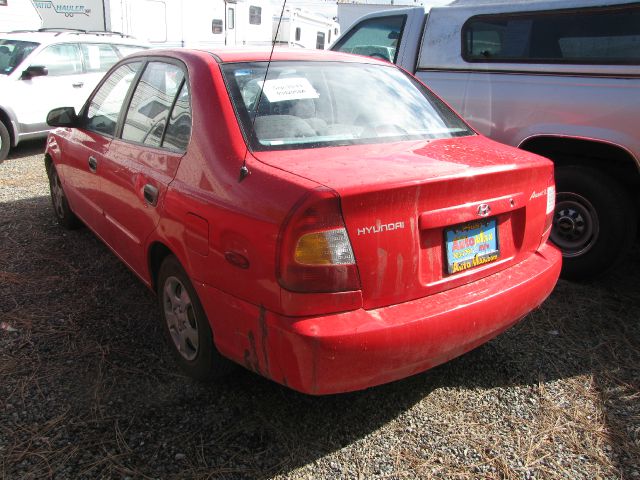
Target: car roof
63	36
232	55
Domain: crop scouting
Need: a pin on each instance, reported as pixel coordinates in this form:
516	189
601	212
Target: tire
5	141
594	222
61	208
185	324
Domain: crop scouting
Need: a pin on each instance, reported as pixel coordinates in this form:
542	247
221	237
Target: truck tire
5	141
594	222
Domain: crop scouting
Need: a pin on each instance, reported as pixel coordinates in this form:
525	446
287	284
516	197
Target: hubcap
57	195
575	224
180	317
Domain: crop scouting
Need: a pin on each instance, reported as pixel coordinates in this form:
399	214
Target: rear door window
151	103
179	129
376	37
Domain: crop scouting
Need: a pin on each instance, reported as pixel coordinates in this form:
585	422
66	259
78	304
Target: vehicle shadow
28	148
88	369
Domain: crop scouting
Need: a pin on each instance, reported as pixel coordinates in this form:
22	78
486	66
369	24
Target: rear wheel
61	209
594	222
185	324
5	141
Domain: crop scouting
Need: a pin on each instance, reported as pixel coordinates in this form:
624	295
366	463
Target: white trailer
167	23
18	15
302	28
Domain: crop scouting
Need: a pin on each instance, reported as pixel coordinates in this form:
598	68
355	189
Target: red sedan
322	219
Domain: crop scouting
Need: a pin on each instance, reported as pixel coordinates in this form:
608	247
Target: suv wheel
5	141
594	222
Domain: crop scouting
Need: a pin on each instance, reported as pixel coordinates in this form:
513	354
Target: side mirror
62	117
393	35
34	71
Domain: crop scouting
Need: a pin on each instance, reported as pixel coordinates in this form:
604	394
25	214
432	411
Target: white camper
167	23
302	28
18	15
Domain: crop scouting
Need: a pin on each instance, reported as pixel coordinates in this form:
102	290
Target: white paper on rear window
280	89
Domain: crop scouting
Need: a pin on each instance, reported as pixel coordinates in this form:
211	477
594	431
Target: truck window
375	37
320	41
255	15
595	36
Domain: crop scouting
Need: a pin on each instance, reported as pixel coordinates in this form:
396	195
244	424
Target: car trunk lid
414	209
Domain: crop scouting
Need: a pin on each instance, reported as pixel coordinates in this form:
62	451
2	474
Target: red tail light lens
315	253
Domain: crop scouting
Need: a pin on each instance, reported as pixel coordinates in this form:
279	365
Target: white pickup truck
560	78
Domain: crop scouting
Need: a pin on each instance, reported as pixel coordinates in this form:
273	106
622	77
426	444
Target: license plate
471	245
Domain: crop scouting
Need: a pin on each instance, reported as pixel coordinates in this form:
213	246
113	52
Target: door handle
93	164
150	194
78	85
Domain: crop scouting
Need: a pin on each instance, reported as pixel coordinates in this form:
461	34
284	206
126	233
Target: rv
18	15
302	28
167	23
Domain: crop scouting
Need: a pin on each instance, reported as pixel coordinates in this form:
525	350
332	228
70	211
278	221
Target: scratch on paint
263	330
251	357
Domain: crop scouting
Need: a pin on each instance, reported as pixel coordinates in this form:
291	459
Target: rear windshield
12	53
318	104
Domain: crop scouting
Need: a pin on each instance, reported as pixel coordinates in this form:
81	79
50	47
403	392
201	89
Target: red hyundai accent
322	219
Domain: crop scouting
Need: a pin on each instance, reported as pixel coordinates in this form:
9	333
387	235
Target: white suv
44	69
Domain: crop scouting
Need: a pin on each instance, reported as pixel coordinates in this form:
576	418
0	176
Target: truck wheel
594	222
5	141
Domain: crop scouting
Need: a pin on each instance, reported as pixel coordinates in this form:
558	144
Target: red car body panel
360	348
408	315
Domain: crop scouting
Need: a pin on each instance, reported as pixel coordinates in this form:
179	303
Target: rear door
142	161
392	35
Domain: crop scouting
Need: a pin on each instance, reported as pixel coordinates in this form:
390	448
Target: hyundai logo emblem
484	209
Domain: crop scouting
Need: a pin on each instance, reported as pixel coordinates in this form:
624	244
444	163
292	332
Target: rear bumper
362	348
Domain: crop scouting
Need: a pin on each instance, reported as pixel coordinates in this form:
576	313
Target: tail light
315	253
551	205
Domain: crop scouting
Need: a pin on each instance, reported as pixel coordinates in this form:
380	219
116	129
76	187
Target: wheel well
157	253
610	159
4	118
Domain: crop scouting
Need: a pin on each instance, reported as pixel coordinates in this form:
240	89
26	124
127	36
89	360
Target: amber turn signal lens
329	247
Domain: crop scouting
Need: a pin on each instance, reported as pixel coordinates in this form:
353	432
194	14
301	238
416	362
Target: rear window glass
314	104
596	36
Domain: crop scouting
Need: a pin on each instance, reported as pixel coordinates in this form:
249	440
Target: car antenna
244	170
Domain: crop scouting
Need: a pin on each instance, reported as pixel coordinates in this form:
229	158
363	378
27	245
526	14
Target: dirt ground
89	390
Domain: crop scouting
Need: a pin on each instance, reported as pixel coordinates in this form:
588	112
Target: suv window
128	49
63	59
105	105
98	57
595	36
151	102
12	52
377	37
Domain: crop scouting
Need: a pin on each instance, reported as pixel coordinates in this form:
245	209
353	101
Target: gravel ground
88	389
